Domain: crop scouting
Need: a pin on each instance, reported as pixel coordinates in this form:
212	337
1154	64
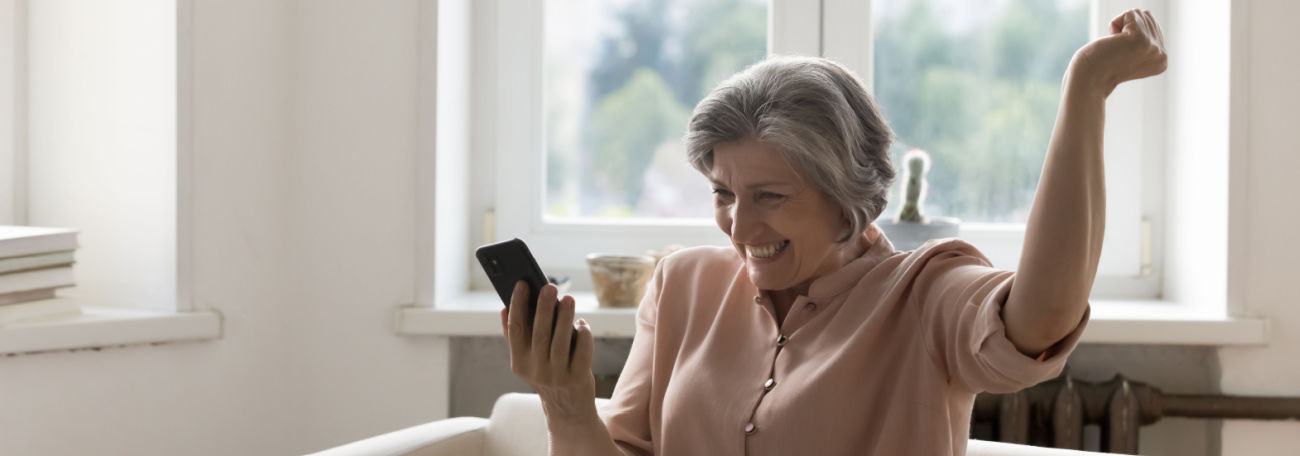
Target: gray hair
818	115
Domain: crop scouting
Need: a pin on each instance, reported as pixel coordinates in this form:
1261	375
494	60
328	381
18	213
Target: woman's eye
721	193
769	196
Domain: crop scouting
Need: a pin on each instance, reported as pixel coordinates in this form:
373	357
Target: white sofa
518	428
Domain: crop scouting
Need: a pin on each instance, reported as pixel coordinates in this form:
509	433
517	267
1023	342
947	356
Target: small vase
619	280
910	235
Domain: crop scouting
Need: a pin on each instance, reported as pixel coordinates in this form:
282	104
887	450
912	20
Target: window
978	86
578	135
610	65
92	140
978	89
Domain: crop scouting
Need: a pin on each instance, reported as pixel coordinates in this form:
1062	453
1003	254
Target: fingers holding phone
546	351
563	341
542	357
543	321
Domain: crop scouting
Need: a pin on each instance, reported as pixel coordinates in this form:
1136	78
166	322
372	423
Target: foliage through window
976	84
621	80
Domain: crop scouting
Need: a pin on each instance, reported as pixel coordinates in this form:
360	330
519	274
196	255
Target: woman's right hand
541	358
1134	49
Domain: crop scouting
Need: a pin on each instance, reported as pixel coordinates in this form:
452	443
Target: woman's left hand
1135	49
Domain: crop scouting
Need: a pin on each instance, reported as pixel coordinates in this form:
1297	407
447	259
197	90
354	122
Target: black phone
508	262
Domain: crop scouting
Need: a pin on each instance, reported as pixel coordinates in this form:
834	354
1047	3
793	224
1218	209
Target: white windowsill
99	327
1113	322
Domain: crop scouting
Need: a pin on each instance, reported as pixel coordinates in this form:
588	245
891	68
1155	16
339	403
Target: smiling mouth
768	250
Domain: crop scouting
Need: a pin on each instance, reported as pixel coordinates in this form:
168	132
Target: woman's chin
766	280
770	273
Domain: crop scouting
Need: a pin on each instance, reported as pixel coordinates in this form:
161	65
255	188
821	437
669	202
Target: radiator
1054	413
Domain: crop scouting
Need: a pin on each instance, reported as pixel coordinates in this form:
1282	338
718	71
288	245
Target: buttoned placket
782	339
804	308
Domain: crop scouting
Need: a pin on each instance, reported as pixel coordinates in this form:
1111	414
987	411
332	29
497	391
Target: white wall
351	214
1268	275
302	206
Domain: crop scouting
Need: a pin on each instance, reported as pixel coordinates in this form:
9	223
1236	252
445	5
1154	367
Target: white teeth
766	251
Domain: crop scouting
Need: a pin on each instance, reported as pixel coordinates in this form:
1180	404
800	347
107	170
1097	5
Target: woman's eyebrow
756	184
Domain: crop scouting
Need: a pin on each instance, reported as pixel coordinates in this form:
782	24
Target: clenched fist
1134	49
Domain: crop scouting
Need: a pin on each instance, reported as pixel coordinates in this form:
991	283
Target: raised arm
1068	218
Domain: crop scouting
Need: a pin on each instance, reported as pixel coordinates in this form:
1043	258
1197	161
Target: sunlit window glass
621	78
976	84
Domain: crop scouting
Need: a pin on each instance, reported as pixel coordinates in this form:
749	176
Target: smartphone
508	262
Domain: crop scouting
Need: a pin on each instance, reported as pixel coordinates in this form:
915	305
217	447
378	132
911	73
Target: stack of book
34	262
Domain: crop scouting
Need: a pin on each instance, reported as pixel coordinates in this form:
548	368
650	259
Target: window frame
14	163
108	321
508	165
13	93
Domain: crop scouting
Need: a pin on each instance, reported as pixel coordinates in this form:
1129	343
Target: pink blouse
883	356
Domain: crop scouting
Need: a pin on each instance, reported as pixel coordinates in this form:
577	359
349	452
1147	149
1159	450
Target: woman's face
783	227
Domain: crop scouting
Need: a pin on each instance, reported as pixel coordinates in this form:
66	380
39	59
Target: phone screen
508	262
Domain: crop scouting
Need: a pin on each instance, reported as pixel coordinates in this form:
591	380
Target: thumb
505	324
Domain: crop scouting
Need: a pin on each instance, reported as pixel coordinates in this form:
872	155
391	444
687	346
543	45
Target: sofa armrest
453	436
986	448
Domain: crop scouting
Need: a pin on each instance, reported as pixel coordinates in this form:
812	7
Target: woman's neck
783	299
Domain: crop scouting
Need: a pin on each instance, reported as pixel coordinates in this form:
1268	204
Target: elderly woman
813	335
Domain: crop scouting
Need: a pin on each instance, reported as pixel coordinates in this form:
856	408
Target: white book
57	277
28	240
37	261
25	296
39	310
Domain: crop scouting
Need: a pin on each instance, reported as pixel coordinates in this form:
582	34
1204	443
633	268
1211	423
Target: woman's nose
744	222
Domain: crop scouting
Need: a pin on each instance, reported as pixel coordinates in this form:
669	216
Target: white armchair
518	428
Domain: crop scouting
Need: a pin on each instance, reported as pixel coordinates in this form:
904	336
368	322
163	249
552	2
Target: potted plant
911	228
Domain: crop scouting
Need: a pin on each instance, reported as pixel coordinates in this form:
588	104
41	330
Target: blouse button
758	299
767	386
811	306
750	428
780	341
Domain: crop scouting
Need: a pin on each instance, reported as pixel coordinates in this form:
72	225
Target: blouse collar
842	280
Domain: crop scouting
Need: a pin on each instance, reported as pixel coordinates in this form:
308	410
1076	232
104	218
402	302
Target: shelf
1113	322
100	327
478	314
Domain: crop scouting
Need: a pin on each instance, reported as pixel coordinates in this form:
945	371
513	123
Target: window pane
621	79
976	84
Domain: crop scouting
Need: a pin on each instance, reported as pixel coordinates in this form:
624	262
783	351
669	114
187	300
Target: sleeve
627	414
961	300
